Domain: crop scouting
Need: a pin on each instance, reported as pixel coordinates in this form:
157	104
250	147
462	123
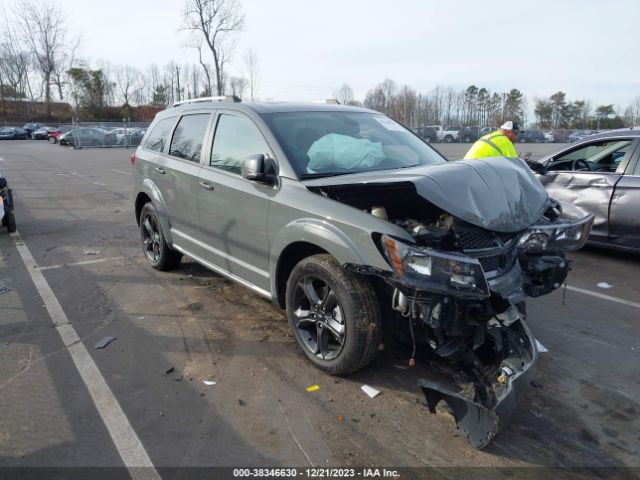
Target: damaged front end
458	290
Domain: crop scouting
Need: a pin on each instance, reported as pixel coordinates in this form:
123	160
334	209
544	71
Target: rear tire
154	245
448	139
334	315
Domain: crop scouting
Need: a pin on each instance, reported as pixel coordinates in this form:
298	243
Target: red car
54	133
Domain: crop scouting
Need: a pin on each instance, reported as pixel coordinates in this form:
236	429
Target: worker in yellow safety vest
496	144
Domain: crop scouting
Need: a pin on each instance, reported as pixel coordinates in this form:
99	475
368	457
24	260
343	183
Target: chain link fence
102	134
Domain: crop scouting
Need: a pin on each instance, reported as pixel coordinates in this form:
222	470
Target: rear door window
188	137
159	134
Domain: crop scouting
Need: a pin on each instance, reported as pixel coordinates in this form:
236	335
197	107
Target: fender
327	237
150	188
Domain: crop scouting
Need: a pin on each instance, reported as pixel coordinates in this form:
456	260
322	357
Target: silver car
601	174
350	222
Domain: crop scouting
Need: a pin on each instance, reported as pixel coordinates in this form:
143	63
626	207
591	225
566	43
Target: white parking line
78	264
129	446
119	171
603	296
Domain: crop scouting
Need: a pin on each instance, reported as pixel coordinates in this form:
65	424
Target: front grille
501	262
505	237
496	251
476	239
489	264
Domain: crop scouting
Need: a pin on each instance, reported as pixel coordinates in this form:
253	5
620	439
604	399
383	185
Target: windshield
334	143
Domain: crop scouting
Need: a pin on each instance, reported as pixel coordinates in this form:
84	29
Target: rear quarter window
158	135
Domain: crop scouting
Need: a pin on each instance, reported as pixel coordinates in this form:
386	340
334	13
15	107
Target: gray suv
350	222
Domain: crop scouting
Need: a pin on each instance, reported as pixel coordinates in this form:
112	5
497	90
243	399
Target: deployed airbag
335	152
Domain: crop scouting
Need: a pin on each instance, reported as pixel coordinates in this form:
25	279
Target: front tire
10	221
154	245
448	139
334	315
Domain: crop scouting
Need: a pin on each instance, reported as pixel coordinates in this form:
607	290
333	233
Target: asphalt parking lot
146	404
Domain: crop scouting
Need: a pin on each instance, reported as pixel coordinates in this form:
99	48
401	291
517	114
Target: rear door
624	221
176	174
586	176
234	211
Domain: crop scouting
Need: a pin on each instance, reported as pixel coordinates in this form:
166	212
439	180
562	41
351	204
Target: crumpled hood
499	194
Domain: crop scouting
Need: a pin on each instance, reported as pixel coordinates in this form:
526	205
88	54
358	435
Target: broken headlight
428	269
563	237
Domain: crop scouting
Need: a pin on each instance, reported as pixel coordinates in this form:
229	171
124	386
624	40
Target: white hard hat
510	126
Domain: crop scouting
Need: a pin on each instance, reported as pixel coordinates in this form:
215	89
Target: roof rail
331	101
221	98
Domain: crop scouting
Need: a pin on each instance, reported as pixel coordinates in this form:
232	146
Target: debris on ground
4	289
604	285
535	384
92	252
535	413
541	348
170	370
179	379
104	342
372	392
242	403
400	367
192	307
140	318
209	382
313	388
341	418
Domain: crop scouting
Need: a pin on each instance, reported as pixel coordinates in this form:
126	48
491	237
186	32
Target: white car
548	137
121	132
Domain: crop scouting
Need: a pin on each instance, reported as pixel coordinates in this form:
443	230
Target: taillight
133	159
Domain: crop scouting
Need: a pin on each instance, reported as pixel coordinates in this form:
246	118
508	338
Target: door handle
205	185
161	170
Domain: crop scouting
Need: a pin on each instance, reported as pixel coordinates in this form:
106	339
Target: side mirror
259	168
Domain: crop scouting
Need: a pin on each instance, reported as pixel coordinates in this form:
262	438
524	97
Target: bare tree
388	88
252	72
196	41
67	60
42	26
217	21
344	94
632	113
128	81
14	67
238	85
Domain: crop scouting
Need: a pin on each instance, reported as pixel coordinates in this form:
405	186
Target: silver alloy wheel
318	317
151	238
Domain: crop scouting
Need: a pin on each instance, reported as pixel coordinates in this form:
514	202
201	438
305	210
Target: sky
308	49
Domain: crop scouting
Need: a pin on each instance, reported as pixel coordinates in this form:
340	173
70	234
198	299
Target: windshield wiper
322	174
